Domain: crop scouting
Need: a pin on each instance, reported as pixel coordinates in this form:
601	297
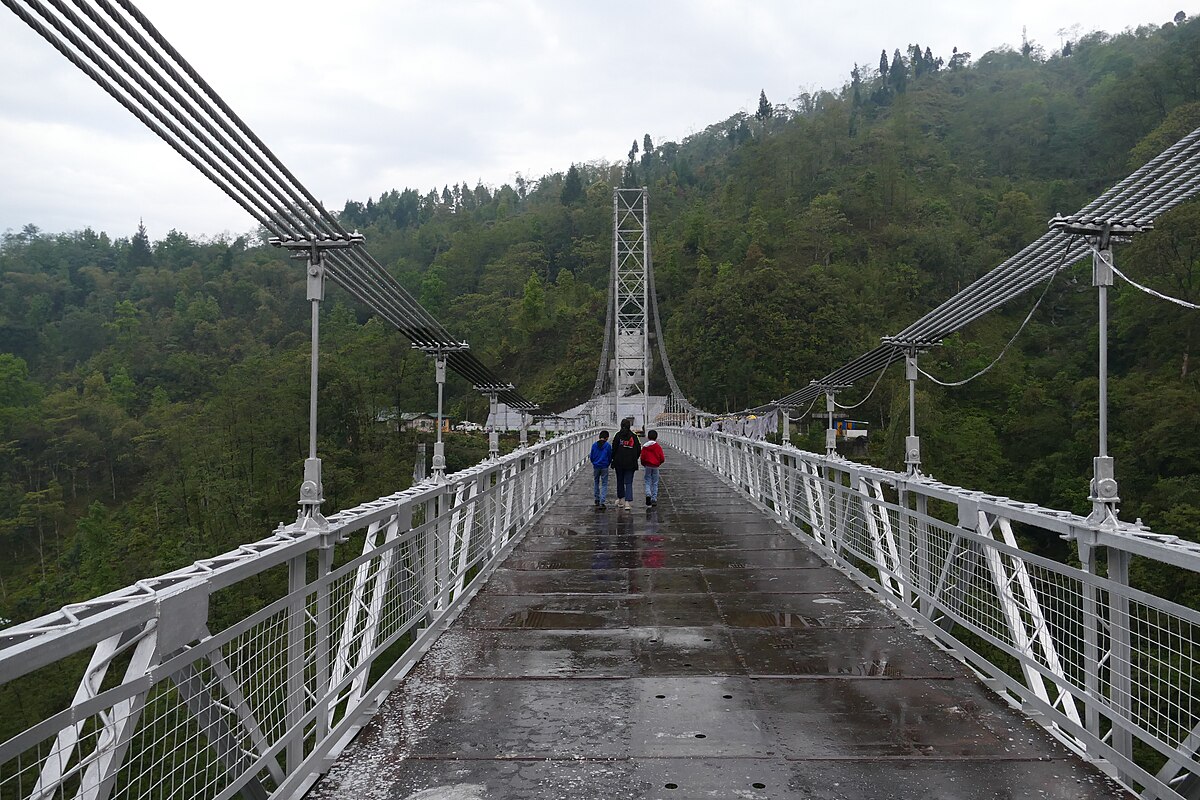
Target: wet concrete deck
693	650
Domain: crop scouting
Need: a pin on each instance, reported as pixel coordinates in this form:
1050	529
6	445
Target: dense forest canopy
153	391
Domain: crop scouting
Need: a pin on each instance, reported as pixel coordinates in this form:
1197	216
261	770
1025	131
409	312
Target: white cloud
379	95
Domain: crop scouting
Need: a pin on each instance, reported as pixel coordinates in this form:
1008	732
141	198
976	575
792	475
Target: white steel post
294	687
912	442
312	490
1120	659
1104	482
494	430
830	432
1102	233
439	447
440	355
1091	640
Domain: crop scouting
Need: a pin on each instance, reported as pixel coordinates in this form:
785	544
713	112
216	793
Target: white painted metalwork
1108	668
259	708
631	256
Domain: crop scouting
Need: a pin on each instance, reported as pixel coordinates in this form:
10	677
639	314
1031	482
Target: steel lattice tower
631	259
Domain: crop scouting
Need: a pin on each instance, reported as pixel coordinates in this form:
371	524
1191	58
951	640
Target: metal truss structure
632	309
167	708
1107	668
631	259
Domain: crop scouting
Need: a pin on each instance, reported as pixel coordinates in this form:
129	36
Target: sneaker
649	502
602	507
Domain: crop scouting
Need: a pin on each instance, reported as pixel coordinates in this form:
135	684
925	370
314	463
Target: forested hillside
153	390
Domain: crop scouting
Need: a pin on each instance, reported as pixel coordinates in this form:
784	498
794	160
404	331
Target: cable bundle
1161	184
117	47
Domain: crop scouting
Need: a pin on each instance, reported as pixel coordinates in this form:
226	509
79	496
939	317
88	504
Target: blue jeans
652	483
600	484
624	484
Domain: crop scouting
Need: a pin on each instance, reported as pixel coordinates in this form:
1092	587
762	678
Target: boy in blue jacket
601	456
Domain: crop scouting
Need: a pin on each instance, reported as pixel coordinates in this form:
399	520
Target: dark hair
627	424
652	435
603	435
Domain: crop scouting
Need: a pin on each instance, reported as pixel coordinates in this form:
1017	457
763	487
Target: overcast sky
362	96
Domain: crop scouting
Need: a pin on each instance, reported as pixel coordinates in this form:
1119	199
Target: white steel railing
310	636
1113	671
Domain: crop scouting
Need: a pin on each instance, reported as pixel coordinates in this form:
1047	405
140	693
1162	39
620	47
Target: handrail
1100	663
264	702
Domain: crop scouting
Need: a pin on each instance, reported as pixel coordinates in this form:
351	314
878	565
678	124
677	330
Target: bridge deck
692	650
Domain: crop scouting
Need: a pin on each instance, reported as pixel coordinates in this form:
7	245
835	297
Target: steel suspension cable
266	207
1007	345
220	103
662	345
116	87
170	78
357	268
238	163
874	386
602	368
151	99
1168	179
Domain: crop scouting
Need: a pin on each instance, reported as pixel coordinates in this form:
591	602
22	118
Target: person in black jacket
626	449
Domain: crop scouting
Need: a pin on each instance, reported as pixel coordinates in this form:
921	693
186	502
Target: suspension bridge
782	624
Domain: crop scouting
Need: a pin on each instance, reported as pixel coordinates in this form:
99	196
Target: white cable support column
440	355
1102	233
492	392
312	490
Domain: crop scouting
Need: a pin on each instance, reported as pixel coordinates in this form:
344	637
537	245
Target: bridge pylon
631	302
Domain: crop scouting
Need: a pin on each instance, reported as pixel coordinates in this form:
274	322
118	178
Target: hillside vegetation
153	392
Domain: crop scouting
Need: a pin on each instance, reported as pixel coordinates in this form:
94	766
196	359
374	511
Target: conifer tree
139	248
764	107
898	73
572	191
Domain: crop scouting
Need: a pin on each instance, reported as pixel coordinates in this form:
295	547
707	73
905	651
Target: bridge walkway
691	650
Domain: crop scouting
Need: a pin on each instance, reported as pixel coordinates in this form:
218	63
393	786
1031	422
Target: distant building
411	420
851	428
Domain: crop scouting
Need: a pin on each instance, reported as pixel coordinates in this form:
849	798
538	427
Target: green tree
765	110
140	254
898	73
572	190
434	293
533	305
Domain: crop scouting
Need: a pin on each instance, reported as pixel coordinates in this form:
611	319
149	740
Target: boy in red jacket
652	459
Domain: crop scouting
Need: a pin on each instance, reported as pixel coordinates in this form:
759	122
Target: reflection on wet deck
691	650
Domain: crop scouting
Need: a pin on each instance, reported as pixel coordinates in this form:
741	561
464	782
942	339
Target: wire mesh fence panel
1114	670
165	708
